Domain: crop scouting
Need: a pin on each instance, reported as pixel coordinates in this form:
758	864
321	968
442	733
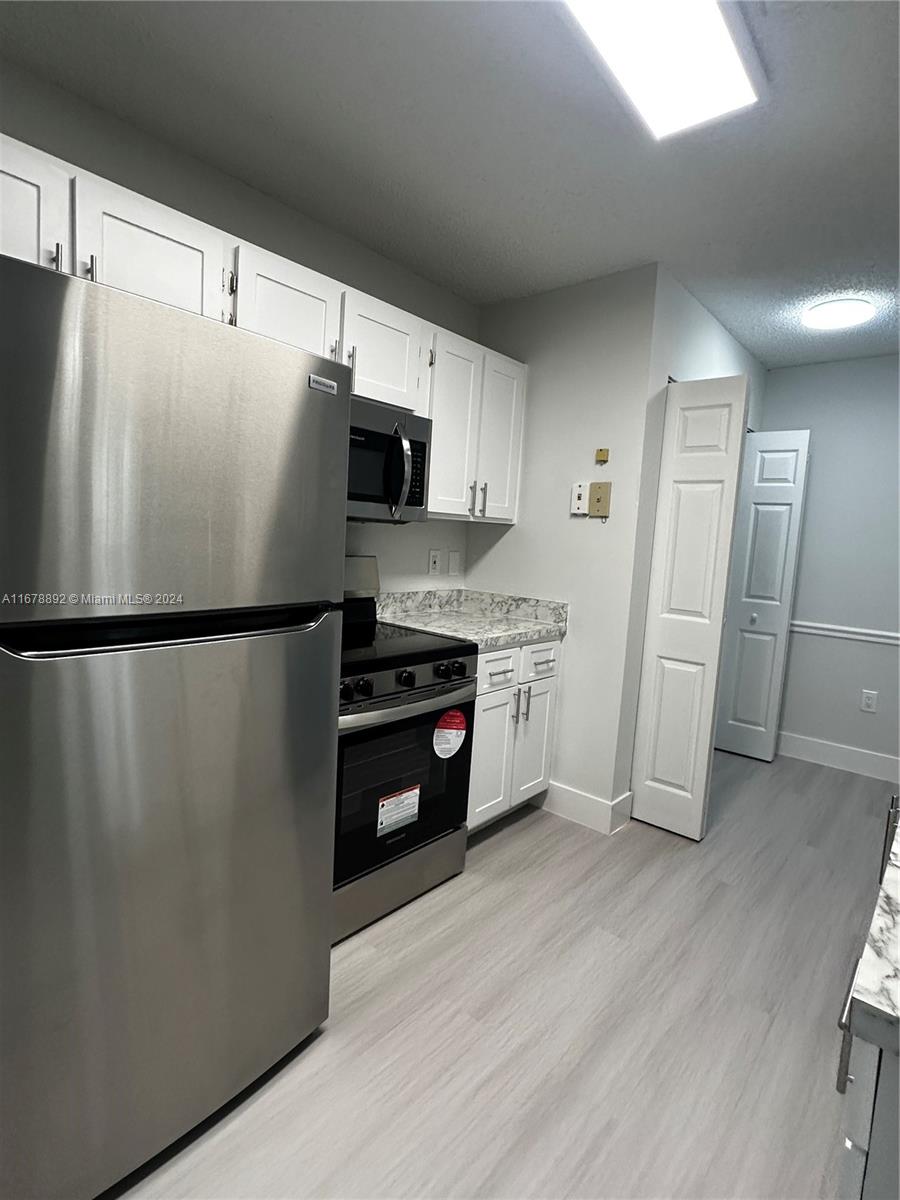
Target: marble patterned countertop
876	994
491	619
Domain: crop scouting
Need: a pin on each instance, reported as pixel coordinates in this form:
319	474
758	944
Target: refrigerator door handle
159	644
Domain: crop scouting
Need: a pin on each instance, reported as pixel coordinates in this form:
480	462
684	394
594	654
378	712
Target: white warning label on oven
449	733
400	808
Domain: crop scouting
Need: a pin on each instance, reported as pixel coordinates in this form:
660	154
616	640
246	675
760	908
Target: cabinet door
456	378
286	301
143	247
383	346
500	438
492	756
534	740
34	206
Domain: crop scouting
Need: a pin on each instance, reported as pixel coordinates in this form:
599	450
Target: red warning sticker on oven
449	733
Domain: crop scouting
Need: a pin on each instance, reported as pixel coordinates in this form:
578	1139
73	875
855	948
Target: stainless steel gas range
407	708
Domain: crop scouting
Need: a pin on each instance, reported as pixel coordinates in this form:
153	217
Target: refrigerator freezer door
166	851
149	453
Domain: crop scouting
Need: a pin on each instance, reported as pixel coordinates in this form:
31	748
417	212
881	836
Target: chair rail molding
850	633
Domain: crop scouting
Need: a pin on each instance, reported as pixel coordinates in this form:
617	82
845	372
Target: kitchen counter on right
875	1008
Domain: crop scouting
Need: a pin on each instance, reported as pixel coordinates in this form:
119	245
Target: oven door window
395	792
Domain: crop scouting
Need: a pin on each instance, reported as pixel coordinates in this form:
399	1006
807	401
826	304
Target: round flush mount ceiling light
843	313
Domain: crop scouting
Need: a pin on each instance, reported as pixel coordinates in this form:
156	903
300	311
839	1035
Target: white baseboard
606	816
845	758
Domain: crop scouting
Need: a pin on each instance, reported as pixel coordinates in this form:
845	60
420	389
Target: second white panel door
500	437
534	739
133	243
34	206
456	379
492	755
284	300
383	346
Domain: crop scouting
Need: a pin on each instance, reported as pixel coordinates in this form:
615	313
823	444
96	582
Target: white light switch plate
435	562
868	701
579	506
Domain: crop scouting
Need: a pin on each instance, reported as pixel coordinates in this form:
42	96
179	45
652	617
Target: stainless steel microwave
390	455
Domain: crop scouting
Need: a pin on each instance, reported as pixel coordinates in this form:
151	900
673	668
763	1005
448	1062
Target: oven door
403	779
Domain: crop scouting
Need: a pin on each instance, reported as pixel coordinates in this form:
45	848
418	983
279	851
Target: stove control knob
346	692
406	678
458	668
364	687
443	670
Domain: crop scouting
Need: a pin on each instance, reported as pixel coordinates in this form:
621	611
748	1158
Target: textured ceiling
481	144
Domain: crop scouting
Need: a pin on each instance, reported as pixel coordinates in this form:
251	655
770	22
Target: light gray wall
588	352
45	116
848	567
402	552
688	343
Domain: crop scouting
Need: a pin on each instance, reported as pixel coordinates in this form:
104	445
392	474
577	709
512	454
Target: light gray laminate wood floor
579	1015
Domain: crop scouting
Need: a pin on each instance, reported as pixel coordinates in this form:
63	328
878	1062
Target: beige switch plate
598	499
601	456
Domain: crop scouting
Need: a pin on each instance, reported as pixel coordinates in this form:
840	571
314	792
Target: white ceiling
481	145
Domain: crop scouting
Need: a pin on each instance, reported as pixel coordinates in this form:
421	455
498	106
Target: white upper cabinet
500	437
34	206
478	408
133	243
383	346
283	300
456	379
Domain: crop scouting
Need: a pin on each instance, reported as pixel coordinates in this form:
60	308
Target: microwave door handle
397	509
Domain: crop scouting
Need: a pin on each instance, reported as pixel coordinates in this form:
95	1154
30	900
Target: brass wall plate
601	456
598	499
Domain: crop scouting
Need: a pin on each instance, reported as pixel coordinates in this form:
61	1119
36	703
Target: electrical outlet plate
435	562
453	562
598	499
868	701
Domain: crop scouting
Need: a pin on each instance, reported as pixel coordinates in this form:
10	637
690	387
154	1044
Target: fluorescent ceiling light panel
839	314
675	59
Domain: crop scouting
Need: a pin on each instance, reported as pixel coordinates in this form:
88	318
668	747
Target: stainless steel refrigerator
172	516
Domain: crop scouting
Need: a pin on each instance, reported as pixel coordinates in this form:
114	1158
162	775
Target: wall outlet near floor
435	562
452	562
868	701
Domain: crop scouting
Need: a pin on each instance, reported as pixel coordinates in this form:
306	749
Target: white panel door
534	740
761	591
34	206
133	243
490	782
383	346
500	438
286	301
456	379
702	440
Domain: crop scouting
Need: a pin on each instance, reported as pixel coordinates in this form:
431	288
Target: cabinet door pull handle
505	671
57	257
474	487
515	715
91	269
351	359
484	499
528	702
544	662
843	1073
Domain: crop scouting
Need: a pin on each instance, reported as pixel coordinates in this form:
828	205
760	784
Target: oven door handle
400	712
397	509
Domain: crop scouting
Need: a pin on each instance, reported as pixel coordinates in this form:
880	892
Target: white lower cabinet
513	739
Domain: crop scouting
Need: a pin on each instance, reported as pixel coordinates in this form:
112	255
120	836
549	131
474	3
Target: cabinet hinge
229	318
229	282
431	358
